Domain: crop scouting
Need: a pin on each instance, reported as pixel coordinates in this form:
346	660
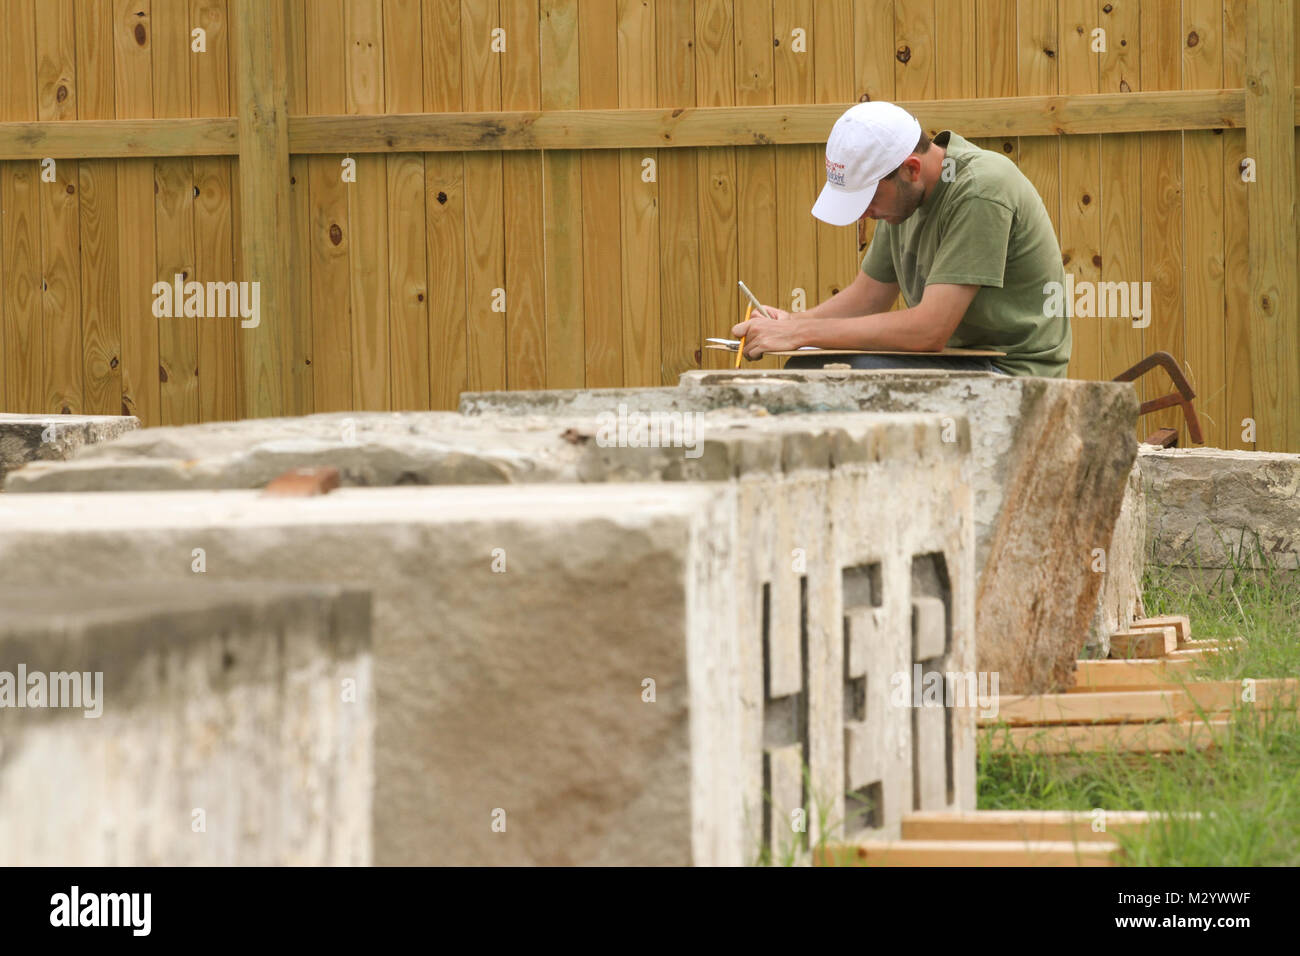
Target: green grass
1247	790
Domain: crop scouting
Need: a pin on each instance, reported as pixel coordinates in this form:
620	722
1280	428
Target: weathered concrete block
26	438
184	723
1121	567
1049	462
518	690
1213	510
827	505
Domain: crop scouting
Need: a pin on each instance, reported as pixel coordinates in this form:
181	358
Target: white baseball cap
866	144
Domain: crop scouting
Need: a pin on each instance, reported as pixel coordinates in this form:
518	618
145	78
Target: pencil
740	352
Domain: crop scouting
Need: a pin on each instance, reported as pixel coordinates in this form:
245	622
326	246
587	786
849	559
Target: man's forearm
905	330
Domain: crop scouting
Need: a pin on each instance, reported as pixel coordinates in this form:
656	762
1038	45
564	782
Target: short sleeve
973	247
878	262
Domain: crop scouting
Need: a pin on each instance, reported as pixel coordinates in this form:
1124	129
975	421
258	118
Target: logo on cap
834	172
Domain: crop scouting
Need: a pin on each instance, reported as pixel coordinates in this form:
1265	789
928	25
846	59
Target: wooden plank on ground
260	35
1145	643
1181	624
679	224
966	853
1037	826
331	231
1270	142
445	209
1170	737
133	79
601	240
1111	707
562	181
214	256
1133	674
639	197
368	213
57	99
408	262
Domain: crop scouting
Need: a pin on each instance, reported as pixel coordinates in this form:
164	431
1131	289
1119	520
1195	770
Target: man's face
897	198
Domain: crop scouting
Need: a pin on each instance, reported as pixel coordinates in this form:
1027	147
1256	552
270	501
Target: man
961	231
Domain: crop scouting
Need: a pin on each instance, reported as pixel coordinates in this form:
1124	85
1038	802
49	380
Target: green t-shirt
986	227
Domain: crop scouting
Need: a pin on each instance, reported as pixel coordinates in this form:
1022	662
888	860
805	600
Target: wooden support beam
966	853
1274	326
260	28
757	125
1038	826
615	129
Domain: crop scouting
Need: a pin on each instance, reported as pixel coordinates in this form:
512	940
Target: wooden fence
562	193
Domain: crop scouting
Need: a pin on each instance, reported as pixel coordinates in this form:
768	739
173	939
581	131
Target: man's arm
863	296
924	328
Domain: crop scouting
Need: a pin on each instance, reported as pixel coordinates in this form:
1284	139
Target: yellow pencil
740	352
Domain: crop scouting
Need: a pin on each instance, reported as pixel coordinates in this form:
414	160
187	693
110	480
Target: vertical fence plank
873	45
601	240
914	60
484	204
1037	75
756	167
133	76
368	212
679	225
445	208
1121	186
832	54
214	259
1081	182
800	170
525	241
100	324
408	308
1162	203
715	85
639	199
1270	142
57	98
1238	389
299	345
178	345
24	369
1203	267
331	232
995	71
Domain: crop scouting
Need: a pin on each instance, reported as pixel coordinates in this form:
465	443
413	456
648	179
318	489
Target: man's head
873	166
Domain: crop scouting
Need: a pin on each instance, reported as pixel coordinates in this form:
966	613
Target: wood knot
903	54
1107	8
1193	39
442	199
61	93
1096	261
141	35
71	189
112	363
162	374
336	234
1086	199
1124	87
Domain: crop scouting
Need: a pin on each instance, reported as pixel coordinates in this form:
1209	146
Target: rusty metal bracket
1182	397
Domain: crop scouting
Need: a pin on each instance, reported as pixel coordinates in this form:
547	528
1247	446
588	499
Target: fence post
1270	142
261	57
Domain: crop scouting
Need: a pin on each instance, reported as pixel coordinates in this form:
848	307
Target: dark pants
952	363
